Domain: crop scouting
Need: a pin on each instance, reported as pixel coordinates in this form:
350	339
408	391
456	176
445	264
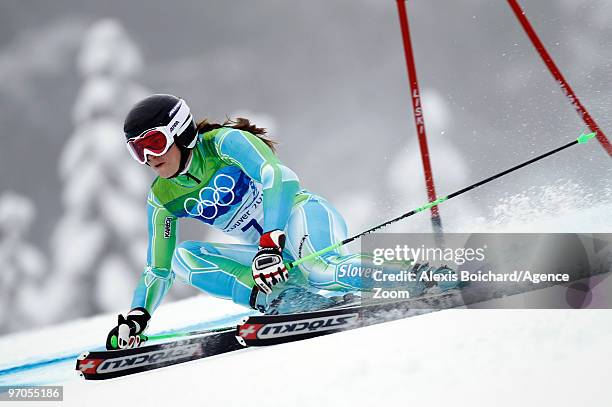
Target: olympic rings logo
207	207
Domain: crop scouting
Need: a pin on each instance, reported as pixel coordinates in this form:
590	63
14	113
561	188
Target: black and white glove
268	267
127	332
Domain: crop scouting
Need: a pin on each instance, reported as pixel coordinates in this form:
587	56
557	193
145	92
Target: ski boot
297	299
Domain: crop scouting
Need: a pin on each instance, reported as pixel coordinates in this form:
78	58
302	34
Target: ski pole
144	337
584	138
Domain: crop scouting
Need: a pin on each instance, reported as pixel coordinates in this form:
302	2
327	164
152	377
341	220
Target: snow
459	357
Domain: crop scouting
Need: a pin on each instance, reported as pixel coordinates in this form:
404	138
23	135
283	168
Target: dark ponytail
240	124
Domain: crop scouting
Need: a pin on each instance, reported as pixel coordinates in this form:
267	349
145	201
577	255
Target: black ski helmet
158	110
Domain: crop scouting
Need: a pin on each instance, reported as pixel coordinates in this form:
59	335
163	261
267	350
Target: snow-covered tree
23	265
99	244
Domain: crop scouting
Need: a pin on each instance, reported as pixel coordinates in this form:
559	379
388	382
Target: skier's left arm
257	160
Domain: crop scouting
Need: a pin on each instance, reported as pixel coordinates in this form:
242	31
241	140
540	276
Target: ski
259	330
100	365
264	330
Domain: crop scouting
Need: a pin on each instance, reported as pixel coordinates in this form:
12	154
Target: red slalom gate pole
418	115
556	73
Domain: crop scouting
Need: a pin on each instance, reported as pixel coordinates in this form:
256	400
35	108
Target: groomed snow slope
454	357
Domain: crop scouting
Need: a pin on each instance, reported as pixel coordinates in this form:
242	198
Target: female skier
227	176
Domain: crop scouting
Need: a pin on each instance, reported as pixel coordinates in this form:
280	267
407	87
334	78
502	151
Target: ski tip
584	138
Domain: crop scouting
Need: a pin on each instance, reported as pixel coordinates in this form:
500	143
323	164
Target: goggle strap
180	119
193	143
186	124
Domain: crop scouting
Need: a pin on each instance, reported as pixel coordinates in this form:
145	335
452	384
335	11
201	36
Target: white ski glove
268	267
127	332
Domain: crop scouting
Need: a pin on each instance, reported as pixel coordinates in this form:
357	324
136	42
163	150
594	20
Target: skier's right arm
157	276
154	282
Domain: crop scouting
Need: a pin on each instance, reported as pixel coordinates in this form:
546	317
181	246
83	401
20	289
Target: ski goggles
157	141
